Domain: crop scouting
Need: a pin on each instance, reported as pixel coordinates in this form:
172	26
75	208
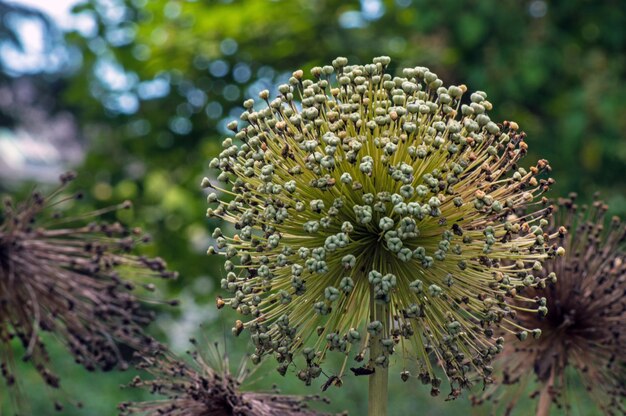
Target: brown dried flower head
206	387
62	277
584	333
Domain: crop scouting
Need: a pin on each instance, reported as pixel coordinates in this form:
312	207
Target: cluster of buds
373	215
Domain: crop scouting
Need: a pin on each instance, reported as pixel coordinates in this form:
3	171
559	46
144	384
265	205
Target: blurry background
135	95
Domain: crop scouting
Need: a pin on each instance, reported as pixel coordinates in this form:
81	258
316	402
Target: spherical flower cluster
206	387
584	333
62	277
376	215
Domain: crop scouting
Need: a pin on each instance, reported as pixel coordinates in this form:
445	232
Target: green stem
378	382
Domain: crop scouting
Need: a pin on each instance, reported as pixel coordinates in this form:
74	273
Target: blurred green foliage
158	81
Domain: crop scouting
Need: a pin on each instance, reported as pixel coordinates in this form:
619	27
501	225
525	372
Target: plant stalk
378	381
545	399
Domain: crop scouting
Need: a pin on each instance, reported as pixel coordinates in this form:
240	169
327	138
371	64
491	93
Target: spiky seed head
207	387
581	339
62	276
374	187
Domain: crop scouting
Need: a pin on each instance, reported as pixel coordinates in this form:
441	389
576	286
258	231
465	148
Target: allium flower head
377	213
206	387
61	277
584	333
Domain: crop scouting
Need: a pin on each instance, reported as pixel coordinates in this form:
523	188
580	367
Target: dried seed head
60	276
206	387
582	337
383	188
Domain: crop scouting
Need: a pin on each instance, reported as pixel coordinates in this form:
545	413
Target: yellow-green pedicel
372	207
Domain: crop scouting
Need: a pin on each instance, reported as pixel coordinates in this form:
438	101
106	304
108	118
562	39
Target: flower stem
378	382
545	398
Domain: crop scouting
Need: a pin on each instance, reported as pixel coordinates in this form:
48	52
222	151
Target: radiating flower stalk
583	339
376	215
62	277
206	387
